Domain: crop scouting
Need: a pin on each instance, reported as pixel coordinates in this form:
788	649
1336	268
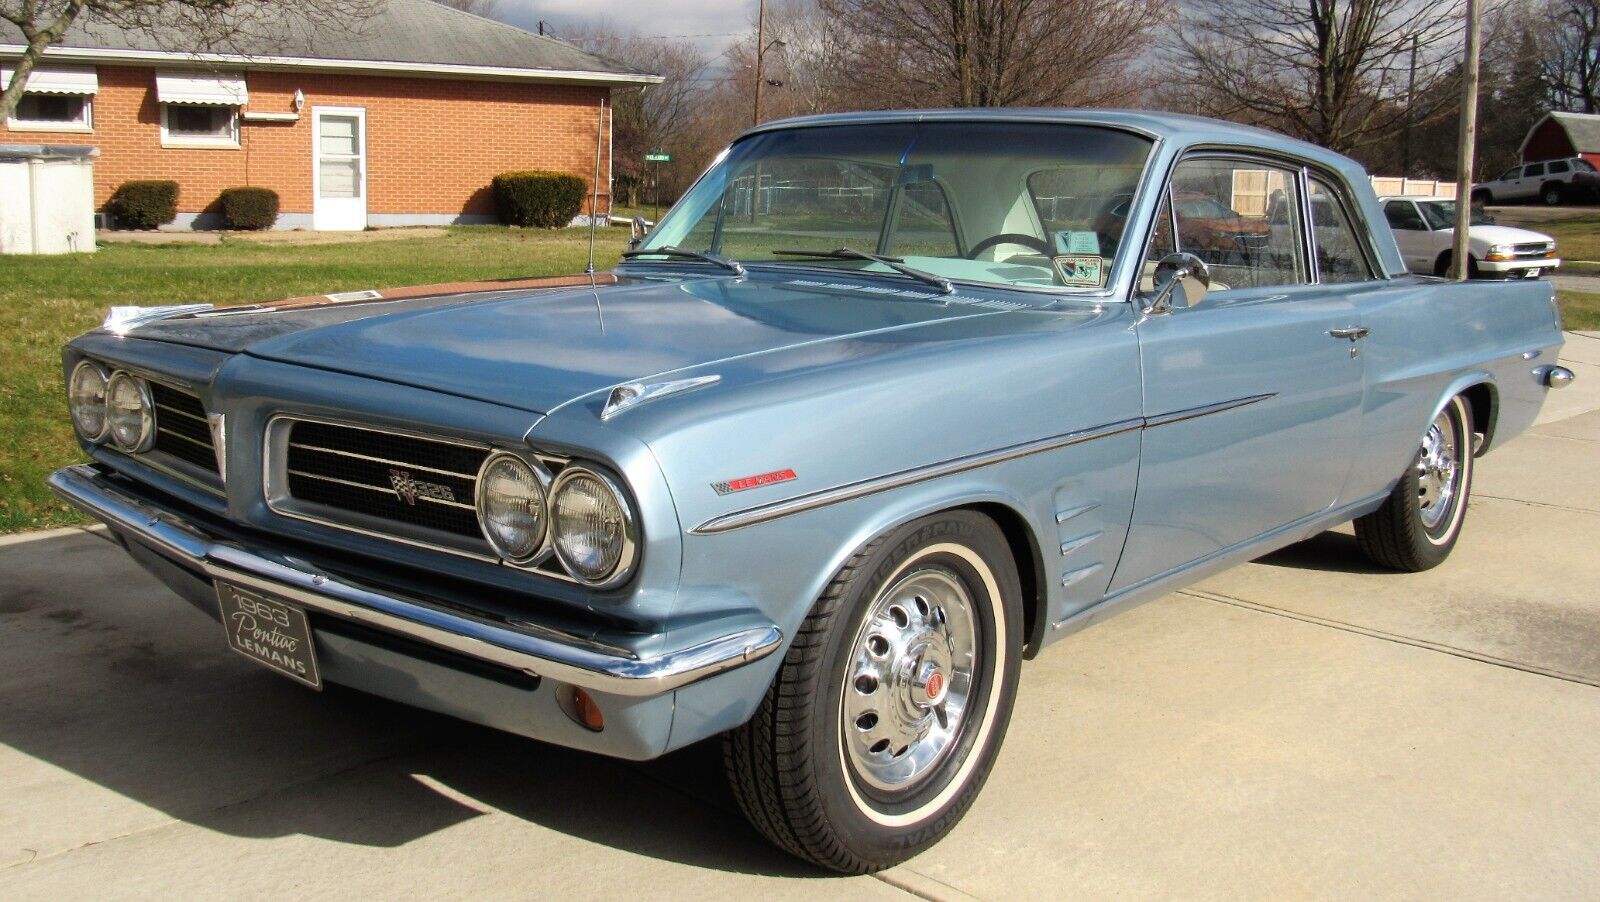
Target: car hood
537	349
1488	235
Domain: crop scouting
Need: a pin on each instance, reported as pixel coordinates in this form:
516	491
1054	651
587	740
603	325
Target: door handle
1355	334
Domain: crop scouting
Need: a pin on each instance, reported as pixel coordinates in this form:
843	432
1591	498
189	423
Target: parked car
1425	229
813	480
1551	182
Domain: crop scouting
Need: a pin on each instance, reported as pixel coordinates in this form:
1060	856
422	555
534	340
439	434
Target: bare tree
241	26
1334	72
995	52
651	117
1571	54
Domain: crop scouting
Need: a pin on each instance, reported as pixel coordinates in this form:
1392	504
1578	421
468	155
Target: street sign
658	158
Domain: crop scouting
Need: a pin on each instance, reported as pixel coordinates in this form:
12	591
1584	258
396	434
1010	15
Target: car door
1528	183
1251	398
1411	232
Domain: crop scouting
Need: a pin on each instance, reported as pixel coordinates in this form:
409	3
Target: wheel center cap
930	685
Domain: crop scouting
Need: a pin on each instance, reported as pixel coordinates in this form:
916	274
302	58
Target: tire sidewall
873	829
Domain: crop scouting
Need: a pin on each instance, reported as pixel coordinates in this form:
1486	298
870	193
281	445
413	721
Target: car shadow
1332	552
131	693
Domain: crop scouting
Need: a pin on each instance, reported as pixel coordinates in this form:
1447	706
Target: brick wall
432	144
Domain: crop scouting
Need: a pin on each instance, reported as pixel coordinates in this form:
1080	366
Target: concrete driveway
1301	726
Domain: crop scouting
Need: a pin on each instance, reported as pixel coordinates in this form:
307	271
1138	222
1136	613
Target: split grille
425	483
181	428
1528	251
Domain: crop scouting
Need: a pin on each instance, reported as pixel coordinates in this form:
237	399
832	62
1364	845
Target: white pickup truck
1424	227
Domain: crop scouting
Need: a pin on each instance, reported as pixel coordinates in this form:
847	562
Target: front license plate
269	632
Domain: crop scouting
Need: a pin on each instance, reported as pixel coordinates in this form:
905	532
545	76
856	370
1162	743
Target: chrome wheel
910	678
1438	471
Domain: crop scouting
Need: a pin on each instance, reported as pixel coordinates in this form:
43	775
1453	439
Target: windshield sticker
1086	270
1087	243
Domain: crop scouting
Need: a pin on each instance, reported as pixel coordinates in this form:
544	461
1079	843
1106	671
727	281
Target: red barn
1561	135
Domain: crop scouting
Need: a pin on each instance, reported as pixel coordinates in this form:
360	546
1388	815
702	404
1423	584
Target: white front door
339	169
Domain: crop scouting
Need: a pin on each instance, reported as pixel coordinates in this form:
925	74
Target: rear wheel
889	709
1419	523
1552	195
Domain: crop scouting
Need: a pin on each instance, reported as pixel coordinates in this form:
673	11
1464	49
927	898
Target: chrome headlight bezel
628	556
542	479
72	407
146	412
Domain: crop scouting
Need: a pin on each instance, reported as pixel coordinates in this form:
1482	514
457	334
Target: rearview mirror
1181	280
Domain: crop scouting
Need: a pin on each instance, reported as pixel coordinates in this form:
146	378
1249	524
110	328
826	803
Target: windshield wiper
894	263
733	266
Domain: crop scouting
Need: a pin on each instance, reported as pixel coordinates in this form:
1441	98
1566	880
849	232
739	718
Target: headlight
86	399
593	526
1500	250
511	506
130	413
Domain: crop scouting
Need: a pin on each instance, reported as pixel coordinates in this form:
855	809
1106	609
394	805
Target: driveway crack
1424	644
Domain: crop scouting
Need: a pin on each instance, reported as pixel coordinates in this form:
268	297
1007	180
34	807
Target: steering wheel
1009	238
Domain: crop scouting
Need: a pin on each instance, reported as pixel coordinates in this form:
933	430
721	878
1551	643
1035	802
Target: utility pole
1466	148
761	56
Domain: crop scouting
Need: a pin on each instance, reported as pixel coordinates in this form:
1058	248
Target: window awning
209	90
56	80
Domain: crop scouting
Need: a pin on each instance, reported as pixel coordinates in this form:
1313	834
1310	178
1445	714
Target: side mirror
1181	280
638	228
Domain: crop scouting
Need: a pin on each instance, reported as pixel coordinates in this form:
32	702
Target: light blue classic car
885	405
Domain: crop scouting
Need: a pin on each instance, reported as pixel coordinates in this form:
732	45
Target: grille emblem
409	490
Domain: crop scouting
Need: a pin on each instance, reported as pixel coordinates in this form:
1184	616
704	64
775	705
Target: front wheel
890	707
1419	523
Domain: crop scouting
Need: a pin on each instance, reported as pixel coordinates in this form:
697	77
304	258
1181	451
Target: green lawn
1577	238
44	301
1579	310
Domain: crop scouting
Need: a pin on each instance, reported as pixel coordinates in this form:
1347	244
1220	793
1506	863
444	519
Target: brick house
403	123
1558	136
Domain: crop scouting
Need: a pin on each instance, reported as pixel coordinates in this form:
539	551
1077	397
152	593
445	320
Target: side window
1241	218
1403	216
923	225
1513	172
1535	169
1559	167
1339	257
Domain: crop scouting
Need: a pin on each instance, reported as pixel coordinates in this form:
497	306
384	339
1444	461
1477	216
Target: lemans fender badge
409	490
753	482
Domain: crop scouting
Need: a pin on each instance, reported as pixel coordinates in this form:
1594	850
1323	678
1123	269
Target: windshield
1441	214
1015	204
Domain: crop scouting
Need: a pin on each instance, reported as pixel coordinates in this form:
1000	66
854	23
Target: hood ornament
632	394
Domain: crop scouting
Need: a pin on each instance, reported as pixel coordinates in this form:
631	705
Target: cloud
710	26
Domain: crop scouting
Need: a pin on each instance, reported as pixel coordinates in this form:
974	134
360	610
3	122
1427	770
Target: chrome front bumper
522	646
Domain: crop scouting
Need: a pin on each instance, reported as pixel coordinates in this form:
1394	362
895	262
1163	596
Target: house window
52	111
197	124
55	99
200	109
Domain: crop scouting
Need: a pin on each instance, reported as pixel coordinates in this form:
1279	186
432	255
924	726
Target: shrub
249	208
545	200
144	204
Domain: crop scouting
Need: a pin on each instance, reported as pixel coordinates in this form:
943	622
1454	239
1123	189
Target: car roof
1178	127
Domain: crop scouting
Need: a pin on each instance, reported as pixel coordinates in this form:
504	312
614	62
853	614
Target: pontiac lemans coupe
884	405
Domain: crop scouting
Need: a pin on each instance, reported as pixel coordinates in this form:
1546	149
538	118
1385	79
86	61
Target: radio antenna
594	199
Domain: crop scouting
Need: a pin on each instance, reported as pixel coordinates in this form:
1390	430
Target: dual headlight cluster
115	407
580	516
